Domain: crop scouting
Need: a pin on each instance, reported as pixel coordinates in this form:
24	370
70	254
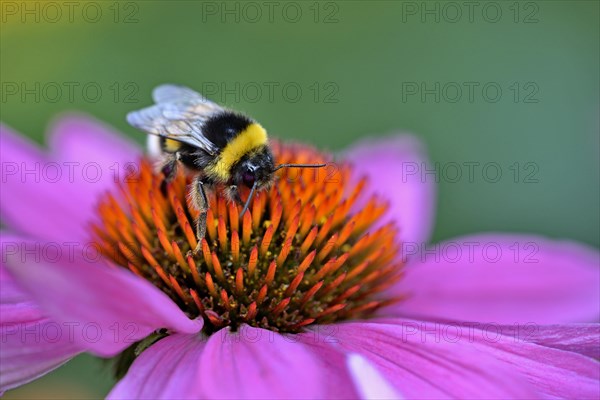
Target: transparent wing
169	93
183	103
178	114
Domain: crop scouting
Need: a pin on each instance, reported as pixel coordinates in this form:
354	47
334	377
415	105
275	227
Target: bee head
257	168
256	171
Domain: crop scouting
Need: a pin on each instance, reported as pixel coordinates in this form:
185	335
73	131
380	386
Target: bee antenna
298	166
247	205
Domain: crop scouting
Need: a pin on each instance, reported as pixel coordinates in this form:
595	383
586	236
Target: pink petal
503	279
54	196
31	349
575	338
31	201
552	371
368	380
80	137
395	168
255	363
107	307
95	147
252	363
30	344
169	369
100	156
321	340
418	366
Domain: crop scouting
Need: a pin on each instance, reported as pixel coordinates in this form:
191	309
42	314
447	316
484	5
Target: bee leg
169	169
200	200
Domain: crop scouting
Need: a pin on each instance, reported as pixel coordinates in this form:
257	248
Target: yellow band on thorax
249	139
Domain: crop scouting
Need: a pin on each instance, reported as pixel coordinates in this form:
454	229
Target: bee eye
248	179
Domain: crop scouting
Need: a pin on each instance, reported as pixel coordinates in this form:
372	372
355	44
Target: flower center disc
302	254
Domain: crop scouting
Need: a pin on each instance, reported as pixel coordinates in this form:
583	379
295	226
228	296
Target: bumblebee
219	146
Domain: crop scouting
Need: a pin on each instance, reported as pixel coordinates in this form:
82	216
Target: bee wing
183	103
169	93
178	115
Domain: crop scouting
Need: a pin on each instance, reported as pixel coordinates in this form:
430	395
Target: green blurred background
340	71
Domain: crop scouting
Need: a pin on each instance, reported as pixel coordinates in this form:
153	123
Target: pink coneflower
316	292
